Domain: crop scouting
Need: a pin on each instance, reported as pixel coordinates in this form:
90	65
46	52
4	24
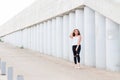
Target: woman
76	46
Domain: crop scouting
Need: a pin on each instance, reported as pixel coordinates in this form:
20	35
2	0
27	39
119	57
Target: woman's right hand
71	35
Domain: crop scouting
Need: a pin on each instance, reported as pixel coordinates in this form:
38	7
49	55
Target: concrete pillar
37	37
16	34
24	38
29	38
12	40
26	35
71	28
30	45
34	37
41	37
18	41
53	37
119	47
15	39
20	77
3	68
0	63
79	18
45	37
49	41
31	30
10	73
112	46
100	40
66	37
59	41
20	38
89	36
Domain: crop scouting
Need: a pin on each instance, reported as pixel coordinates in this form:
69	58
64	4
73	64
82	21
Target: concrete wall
45	9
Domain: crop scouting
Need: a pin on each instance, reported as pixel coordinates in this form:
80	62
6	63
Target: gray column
10	73
59	36
20	77
32	37
14	39
89	36
37	37
3	68
71	28
112	46
119	50
45	37
54	37
0	63
49	37
31	30
41	37
79	18
20	38
66	37
28	40
17	38
35	42
100	40
27	35
24	37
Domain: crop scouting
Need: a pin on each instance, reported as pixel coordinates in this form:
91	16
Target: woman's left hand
76	49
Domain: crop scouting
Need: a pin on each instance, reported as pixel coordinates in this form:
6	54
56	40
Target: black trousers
76	54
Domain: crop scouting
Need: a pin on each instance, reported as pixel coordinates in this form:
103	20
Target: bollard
0	63
3	68
20	77
10	73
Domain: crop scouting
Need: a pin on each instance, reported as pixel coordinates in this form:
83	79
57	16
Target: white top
75	40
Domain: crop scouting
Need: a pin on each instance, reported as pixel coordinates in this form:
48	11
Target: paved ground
35	66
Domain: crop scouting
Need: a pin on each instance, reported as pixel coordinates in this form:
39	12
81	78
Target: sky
9	8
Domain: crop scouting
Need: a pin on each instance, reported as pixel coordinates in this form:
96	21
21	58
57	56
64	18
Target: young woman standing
76	46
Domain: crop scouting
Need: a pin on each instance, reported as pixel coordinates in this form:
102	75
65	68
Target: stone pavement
35	66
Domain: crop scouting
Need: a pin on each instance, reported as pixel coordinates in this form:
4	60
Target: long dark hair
74	32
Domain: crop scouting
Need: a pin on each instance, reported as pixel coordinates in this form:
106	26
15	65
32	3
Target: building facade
46	25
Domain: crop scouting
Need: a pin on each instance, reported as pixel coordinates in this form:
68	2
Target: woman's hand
76	49
71	35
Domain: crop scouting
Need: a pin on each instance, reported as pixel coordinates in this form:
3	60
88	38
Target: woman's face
76	32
